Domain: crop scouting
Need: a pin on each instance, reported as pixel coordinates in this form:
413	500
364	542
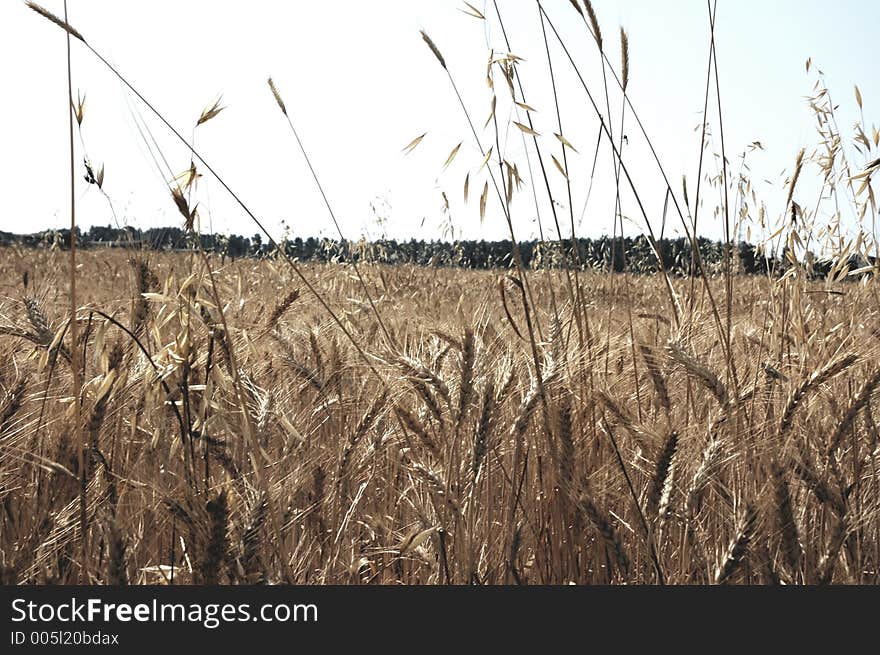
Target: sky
360	84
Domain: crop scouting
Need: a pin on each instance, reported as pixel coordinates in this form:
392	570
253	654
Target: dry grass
270	421
452	465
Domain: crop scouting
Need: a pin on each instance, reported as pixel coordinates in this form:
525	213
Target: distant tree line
634	254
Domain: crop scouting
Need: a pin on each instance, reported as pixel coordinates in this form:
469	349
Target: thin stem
649	535
338	229
731	364
74	332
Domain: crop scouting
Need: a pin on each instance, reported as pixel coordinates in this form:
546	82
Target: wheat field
189	418
252	442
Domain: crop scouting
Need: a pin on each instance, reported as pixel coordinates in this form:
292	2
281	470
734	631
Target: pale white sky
360	84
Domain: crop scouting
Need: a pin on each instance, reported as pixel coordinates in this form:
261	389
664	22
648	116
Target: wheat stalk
816	380
739	547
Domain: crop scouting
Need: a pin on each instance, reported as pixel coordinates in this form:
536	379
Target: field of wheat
234	433
188	418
